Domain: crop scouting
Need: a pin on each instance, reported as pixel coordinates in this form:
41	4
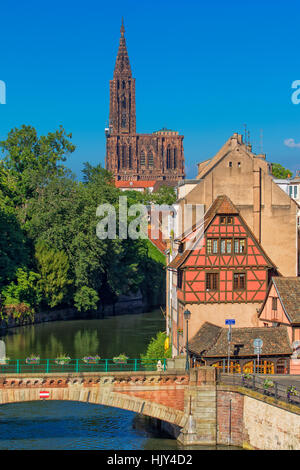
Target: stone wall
250	420
268	427
230	418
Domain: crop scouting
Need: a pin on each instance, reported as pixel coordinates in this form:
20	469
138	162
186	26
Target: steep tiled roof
205	338
288	289
212	341
221	205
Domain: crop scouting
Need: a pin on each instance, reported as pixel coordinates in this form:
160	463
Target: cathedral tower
132	156
122	93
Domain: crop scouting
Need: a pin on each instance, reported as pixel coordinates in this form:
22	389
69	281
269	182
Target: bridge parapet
202	411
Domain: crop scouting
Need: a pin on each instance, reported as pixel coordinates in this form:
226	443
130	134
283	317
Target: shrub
156	349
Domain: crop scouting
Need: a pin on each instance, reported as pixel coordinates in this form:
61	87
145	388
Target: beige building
246	179
269	212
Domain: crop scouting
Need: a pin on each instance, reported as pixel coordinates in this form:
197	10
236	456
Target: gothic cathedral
131	156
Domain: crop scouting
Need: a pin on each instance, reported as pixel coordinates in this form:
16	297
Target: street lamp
187	316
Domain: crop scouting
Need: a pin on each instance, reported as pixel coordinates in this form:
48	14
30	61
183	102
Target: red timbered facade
223	274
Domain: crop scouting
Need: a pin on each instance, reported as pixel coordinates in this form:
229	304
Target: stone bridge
160	395
192	406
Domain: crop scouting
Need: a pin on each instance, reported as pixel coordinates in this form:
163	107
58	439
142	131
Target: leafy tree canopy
53	266
30	161
279	171
50	255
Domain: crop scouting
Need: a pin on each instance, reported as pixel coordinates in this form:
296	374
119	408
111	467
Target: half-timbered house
220	271
281	307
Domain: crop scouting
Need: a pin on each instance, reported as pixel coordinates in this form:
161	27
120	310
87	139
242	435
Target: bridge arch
156	396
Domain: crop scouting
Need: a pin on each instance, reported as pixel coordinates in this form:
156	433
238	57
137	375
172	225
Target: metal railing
265	385
46	366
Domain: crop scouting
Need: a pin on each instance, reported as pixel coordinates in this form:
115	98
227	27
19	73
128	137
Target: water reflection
107	337
70	425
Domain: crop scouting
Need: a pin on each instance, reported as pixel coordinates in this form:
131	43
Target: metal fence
46	366
265	385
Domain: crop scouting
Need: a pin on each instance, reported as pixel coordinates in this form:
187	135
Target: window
226	245
290	191
123	156
226	220
295	192
150	160
123	122
212	281
143	159
175	158
230	164
181	248
212	246
129	158
168	158
179	278
274	303
239	281
239	164
239	245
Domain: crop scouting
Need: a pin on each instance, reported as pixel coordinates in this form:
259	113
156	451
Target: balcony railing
266	385
46	366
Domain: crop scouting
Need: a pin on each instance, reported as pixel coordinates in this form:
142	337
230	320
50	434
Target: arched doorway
282	366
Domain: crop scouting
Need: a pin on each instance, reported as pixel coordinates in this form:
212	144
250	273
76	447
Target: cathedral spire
122	67
122	27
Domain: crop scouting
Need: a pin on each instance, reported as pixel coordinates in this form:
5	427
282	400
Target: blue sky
202	68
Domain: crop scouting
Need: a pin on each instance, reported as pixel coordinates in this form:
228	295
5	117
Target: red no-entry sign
44	394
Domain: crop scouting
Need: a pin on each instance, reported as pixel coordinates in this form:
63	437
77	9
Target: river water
59	425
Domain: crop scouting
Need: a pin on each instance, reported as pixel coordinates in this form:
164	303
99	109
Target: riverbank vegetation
158	348
50	256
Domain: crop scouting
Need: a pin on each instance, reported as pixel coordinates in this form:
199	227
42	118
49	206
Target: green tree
279	171
24	289
14	250
31	161
86	299
156	349
96	174
53	266
165	195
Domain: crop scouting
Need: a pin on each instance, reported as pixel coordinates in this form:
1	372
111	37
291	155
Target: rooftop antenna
248	137
245	126
261	141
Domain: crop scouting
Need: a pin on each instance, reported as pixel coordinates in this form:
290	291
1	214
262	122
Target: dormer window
226	220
